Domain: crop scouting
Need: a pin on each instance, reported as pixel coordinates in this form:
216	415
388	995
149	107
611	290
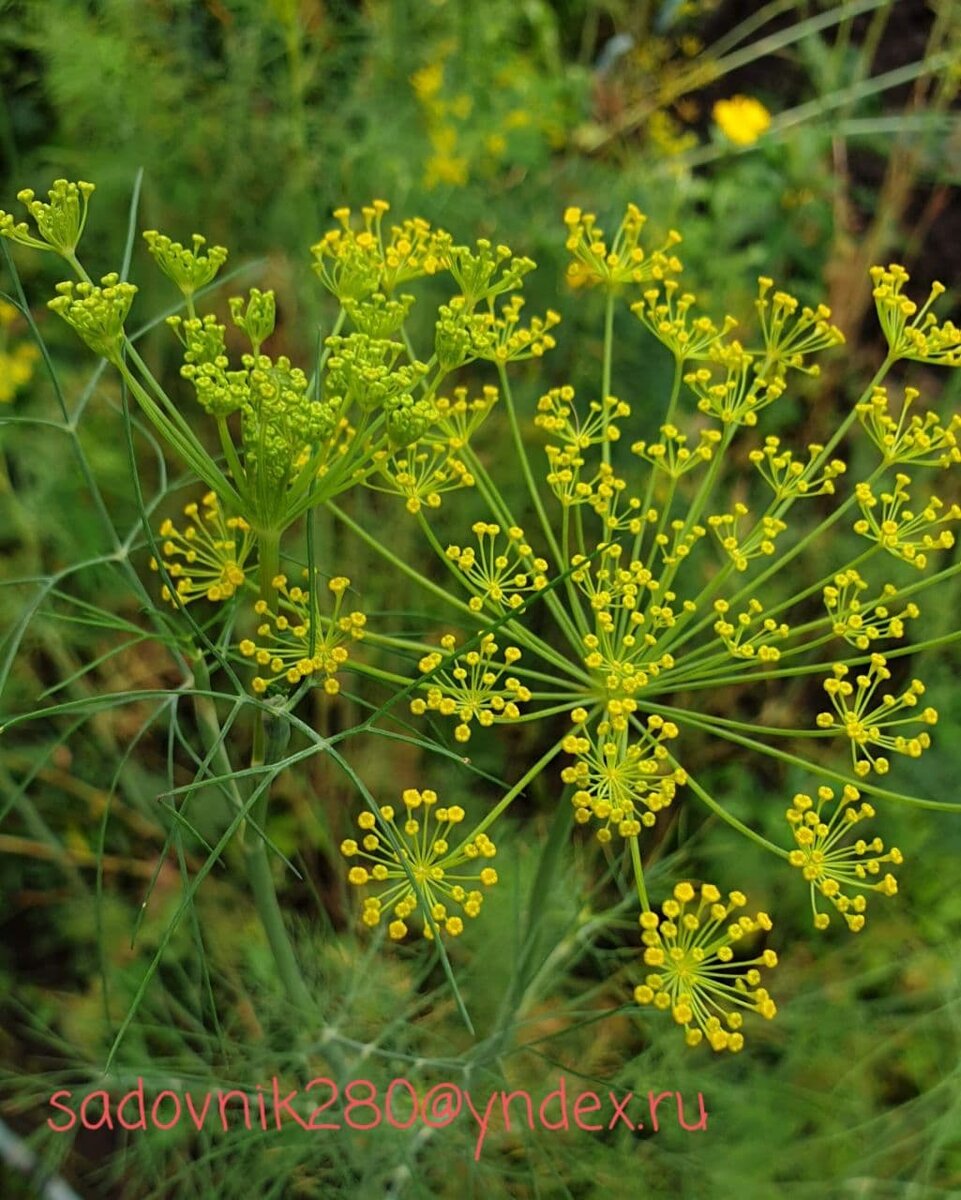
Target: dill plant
659	575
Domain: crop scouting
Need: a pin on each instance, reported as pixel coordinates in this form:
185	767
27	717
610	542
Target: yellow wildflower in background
16	363
742	119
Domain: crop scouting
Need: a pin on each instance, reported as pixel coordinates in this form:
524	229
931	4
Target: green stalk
516	630
683	717
514	792
255	848
488	490
606	365
639	876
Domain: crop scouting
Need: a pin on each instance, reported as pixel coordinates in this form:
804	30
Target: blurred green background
251	122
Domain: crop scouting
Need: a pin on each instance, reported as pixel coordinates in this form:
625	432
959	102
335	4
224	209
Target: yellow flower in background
445	166
17	362
428	81
16	369
742	119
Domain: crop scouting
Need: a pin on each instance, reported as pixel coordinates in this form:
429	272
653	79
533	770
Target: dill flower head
788	477
862	622
833	865
620	782
503	570
735	389
909	437
913	332
873	723
423	471
295	640
904	532
690	946
669	314
485	271
673	455
189	268
379	316
625	260
60	220
353	262
742	119
749	634
96	313
256	318
791	332
409	865
473	686
207	560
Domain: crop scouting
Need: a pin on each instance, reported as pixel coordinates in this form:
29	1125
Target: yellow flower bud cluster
789	336
666	312
912	332
899	529
413	867
207	560
486	271
295	641
472	686
629	611
834	865
188	268
742	547
500	575
748	635
433	464
789	478
625	261
911	438
620	782
557	416
672	455
421	473
96	312
354	262
689	947
862	622
506	340
60	219
871	723
744	390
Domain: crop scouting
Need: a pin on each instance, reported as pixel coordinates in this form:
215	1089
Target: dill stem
606	364
639	876
255	848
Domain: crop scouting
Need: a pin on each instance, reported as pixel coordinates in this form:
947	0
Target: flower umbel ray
473	687
208	559
832	865
871	724
689	945
415	867
295	641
